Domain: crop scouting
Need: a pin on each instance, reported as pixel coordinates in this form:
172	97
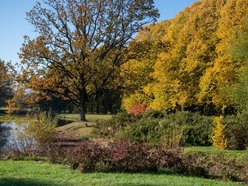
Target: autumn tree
224	69
238	92
136	73
195	65
5	82
80	45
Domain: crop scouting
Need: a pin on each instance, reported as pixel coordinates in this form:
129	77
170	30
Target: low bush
213	166
120	156
133	157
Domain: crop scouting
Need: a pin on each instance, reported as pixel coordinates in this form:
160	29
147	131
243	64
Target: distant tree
81	45
5	83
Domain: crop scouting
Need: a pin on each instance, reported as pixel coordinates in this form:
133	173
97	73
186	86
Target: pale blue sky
13	25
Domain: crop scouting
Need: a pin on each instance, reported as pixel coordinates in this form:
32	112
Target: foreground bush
120	156
133	157
215	166
123	156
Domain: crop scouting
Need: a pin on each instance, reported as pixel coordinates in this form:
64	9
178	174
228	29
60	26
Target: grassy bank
89	117
40	173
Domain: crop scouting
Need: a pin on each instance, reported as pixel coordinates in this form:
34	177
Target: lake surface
15	136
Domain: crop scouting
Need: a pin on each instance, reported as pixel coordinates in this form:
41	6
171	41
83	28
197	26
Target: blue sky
14	25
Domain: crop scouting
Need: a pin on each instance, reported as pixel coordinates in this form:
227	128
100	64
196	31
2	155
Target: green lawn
27	173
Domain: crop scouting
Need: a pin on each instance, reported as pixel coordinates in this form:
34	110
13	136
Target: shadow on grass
62	122
23	182
30	182
130	184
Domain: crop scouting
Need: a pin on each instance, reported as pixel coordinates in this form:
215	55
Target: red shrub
137	109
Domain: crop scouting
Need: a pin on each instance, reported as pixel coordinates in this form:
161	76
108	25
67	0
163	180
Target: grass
18	173
228	154
89	117
76	129
15	118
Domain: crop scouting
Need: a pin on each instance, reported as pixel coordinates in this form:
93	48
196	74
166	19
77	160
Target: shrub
236	131
169	130
142	131
108	128
30	139
138	109
212	166
219	139
123	156
133	157
43	127
120	156
85	156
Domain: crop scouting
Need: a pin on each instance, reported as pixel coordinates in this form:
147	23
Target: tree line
193	61
85	51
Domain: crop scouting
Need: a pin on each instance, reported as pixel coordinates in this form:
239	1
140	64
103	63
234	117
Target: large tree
80	45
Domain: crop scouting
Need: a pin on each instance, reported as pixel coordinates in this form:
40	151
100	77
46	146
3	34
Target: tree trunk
82	113
83	103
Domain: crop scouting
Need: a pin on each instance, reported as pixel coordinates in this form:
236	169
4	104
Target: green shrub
108	128
43	127
142	131
236	131
169	130
193	128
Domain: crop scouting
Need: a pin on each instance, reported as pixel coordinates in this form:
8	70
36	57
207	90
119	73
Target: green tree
81	45
239	91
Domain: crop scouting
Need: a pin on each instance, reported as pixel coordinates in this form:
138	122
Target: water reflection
4	134
16	137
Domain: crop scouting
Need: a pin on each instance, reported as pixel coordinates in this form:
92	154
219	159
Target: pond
15	137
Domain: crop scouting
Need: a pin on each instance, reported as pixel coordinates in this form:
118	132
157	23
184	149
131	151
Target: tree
5	85
238	92
136	73
80	45
224	69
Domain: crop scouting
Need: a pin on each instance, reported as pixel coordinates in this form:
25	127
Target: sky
13	24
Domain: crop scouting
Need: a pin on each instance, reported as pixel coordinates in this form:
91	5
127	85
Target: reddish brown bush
117	157
137	109
130	157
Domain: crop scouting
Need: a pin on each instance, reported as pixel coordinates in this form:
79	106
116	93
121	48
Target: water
16	137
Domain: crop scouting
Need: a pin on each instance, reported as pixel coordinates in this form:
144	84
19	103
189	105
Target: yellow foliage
195	66
219	139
